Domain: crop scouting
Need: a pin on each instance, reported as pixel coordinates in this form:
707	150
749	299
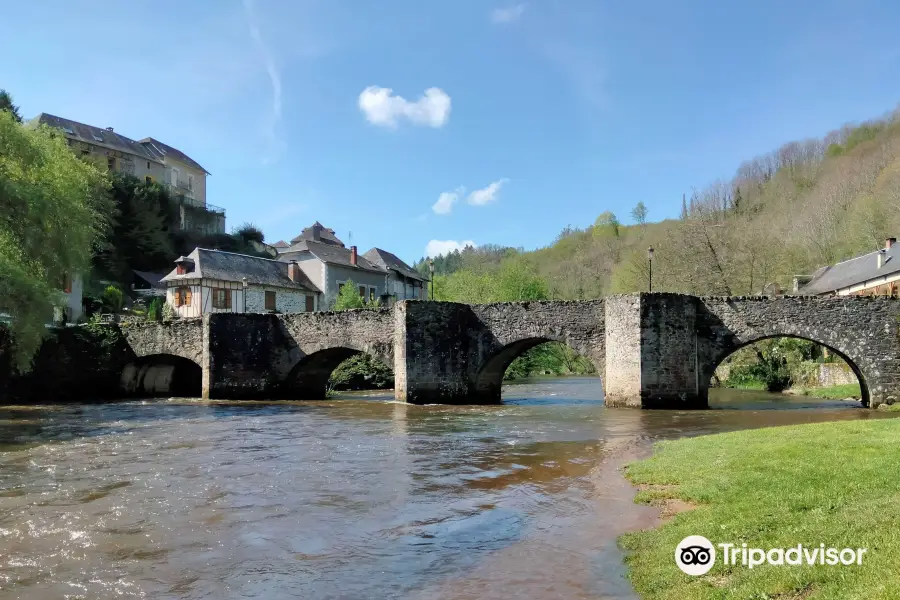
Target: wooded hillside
804	205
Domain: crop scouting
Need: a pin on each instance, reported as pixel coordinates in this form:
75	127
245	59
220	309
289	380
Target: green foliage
113	299
168	313
606	226
774	365
249	232
361	372
551	358
155	309
348	297
53	210
6	104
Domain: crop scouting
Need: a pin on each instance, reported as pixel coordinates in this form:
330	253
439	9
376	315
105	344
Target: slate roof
852	272
161	151
89	134
388	260
333	255
326	235
228	266
281	244
154	279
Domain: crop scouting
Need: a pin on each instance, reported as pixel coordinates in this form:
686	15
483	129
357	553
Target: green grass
834	392
831	483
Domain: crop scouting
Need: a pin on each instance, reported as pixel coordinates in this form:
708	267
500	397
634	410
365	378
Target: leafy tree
53	209
639	213
606	225
6	104
249	232
154	309
348	297
113	299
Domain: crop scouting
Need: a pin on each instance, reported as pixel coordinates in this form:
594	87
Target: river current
357	497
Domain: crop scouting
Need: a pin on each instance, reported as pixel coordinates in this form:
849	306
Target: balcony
183	184
191	202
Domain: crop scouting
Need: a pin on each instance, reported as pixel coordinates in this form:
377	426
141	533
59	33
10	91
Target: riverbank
831	392
826	483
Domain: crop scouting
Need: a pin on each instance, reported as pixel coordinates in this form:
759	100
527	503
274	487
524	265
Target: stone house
328	263
149	160
873	274
208	281
71	309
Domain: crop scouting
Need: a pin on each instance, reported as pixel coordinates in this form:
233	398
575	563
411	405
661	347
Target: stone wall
830	374
286	300
622	378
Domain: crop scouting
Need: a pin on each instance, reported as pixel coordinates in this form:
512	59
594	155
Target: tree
249	233
348	297
639	213
6	104
53	210
113	299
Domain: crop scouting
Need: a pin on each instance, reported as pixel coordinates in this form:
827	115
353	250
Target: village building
212	281
873	274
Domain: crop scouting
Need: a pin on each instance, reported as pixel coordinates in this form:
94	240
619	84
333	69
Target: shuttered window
183	296
221	298
270	300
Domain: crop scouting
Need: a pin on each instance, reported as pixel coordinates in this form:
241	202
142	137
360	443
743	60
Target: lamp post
431	270
245	283
650	262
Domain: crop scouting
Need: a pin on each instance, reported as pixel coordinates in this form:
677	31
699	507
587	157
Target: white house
208	281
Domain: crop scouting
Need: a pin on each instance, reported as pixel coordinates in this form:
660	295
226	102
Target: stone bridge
652	350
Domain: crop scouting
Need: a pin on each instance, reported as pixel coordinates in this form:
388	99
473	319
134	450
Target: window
362	292
310	304
183	296
148	179
221	298
69	130
270	300
96	137
371	294
174	176
148	164
67	283
190	182
179	269
111	163
85	152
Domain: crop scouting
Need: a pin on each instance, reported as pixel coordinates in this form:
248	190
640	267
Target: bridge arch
309	377
162	375
489	378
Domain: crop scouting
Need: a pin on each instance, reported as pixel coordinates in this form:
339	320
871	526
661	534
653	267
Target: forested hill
806	204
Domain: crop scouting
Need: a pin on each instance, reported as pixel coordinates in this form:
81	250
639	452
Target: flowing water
348	498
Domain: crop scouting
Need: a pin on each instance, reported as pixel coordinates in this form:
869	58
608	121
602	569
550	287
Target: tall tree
53	210
639	213
6	104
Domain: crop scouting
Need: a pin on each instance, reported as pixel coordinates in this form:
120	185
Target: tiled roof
162	150
388	260
326	236
228	266
334	255
154	279
98	136
854	271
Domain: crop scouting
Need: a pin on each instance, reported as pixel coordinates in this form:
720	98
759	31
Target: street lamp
431	270
246	284
650	262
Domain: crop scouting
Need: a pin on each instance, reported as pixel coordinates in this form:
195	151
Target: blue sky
506	120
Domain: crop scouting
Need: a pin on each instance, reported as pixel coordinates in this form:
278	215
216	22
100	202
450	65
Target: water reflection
349	498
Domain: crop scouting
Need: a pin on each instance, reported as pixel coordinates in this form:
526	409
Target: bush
155	309
113	299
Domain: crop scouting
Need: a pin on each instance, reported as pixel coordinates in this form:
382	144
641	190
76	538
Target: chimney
353	255
316	231
294	271
109	128
880	258
889	243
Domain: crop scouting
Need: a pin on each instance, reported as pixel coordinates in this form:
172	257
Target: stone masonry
652	350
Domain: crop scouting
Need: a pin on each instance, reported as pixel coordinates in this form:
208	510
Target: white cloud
507	15
446	200
488	194
439	247
273	120
383	108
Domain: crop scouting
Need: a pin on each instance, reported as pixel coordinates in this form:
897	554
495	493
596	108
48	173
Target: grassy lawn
831	483
834	392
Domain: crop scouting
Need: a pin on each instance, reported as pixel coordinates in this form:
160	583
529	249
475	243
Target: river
356	497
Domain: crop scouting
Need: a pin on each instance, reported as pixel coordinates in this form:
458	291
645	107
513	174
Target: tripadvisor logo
696	555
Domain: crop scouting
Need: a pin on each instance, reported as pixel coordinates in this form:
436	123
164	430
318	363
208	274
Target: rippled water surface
349	498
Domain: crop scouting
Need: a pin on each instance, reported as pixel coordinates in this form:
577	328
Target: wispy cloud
384	109
488	194
440	247
508	14
446	200
273	120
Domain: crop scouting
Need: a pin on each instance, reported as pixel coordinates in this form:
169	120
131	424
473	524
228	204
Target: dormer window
184	265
